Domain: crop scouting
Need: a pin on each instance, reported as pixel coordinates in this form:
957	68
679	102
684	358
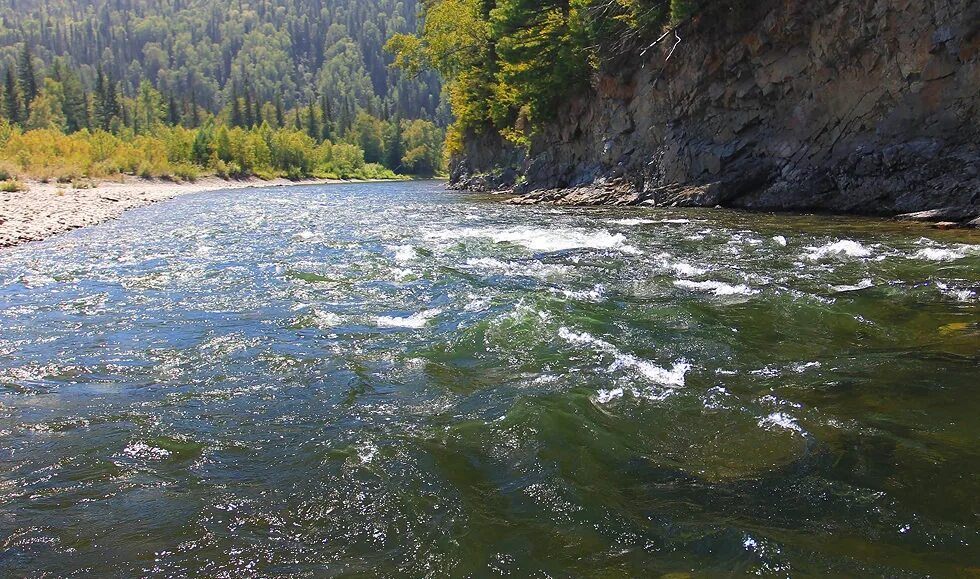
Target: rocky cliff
820	105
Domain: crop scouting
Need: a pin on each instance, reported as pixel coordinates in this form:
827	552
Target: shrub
12	186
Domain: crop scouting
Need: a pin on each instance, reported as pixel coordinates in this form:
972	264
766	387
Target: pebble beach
46	209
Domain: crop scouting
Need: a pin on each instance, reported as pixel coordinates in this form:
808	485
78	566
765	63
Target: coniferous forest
183	87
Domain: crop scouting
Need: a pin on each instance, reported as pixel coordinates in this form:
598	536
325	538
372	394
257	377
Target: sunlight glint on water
391	379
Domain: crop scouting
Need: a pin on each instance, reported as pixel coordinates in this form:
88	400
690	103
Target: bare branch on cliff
656	42
669	54
674	47
663	36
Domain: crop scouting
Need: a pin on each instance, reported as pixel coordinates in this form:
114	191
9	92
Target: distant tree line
147	89
201	53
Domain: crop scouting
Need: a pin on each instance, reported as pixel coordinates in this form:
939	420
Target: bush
184	154
12	186
186	172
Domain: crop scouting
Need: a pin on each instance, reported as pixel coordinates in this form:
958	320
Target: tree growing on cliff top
509	64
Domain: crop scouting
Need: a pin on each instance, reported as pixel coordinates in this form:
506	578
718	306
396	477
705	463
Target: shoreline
48	209
618	195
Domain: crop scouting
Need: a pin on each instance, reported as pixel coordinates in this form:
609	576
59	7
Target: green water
393	380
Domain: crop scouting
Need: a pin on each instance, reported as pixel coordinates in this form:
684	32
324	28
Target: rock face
827	105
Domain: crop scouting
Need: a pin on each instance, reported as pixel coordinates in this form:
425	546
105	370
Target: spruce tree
236	108
248	115
99	103
27	77
75	103
312	126
11	99
280	118
195	115
396	147
327	119
173	113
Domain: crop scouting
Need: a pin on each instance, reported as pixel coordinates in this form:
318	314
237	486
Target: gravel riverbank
46	209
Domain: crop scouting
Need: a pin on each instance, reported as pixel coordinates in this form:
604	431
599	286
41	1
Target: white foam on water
404	253
803	367
532	268
489	263
34	281
780	240
415	321
681	268
684	269
714	398
673	378
964	295
540	239
476	303
607	396
844	247
326	319
631	221
367	453
780	420
675	221
716	287
144	451
863	284
596	294
947	253
401	274
304	236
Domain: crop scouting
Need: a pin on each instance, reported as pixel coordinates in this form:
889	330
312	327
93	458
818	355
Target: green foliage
508	64
200	52
176	90
184	154
422	142
12	186
368	134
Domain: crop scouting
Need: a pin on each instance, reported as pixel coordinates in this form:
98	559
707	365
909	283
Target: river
395	380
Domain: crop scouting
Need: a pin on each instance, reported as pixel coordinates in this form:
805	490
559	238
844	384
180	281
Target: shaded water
394	380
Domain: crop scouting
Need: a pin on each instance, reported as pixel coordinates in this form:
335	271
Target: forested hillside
147	68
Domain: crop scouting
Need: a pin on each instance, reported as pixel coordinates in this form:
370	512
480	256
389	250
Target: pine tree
312	126
257	115
27	77
236	108
280	119
173	113
12	108
195	115
75	104
327	119
106	102
395	148
248	115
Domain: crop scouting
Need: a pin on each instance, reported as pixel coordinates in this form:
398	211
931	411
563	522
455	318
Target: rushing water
391	379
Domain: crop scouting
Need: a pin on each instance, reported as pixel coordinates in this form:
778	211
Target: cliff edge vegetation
824	105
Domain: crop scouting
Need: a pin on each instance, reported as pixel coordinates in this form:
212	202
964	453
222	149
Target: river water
391	379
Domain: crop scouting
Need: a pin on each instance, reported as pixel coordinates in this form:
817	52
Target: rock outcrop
816	105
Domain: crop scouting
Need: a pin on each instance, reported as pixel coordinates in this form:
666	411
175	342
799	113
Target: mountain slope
208	50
